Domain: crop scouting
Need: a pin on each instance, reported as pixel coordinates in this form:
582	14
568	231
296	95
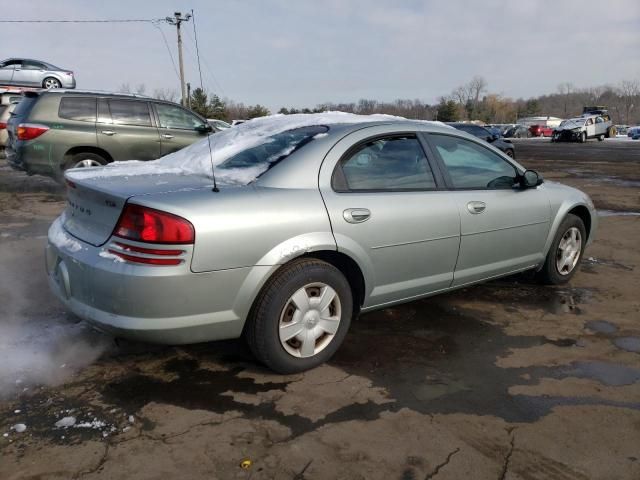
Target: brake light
144	224
29	131
3	125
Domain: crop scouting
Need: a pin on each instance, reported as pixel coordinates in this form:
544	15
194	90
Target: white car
582	128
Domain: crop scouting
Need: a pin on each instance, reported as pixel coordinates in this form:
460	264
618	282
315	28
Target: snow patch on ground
60	238
196	159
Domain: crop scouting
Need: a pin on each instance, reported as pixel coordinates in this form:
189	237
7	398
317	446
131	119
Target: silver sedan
314	219
35	73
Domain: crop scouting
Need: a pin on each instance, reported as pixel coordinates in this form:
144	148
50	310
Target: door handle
476	207
108	132
166	135
356	215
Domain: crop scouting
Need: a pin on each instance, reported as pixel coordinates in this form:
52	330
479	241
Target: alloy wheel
309	320
51	83
87	163
569	250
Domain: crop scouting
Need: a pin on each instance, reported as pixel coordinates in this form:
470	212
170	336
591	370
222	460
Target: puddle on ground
611	374
630	344
587	264
601	326
617	213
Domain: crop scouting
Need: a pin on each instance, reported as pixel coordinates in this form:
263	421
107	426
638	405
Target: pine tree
447	111
200	102
257	111
218	109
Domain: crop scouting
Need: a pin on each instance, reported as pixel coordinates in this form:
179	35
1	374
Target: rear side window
391	163
82	109
130	112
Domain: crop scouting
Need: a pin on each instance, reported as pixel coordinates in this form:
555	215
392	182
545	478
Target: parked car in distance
218	125
369	213
480	132
55	130
631	131
580	129
8	101
517	131
540	131
35	73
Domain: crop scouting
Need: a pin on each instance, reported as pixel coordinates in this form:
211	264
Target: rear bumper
158	304
19	158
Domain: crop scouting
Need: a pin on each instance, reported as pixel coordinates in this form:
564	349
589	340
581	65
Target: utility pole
176	20
188	95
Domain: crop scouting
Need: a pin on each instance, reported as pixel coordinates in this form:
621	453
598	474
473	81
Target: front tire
301	317
583	137
51	82
565	253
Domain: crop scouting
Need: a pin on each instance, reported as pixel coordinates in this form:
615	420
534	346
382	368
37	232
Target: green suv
52	131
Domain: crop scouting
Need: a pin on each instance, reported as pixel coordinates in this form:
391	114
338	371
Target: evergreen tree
257	111
200	102
218	108
447	111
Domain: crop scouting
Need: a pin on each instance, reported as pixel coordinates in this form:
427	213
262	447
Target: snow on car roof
196	158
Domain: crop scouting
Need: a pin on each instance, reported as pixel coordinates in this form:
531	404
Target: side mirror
204	128
530	179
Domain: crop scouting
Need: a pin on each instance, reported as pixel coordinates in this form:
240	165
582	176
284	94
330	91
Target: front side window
171	116
130	112
391	163
78	108
472	166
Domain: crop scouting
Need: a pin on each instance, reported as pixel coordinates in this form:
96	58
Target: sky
304	52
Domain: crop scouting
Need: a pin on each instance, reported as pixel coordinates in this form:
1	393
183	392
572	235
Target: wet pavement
505	380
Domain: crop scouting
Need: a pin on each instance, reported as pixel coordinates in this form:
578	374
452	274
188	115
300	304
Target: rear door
503	227
177	127
388	211
126	129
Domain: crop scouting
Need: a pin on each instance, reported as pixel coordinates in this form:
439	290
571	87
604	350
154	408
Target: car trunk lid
94	203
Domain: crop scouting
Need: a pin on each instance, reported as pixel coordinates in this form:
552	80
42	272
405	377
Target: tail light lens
29	131
143	224
3	125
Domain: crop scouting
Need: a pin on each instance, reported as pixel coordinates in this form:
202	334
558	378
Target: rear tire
51	82
565	253
286	327
88	159
601	138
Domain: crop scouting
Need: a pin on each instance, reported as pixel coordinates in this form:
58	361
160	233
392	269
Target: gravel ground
506	380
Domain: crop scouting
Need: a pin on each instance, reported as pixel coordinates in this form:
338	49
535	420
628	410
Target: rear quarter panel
249	226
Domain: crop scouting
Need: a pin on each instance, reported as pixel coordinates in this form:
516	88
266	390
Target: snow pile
66	422
196	158
62	239
19	427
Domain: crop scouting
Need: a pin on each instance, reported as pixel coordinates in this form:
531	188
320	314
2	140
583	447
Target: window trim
445	172
190	112
338	171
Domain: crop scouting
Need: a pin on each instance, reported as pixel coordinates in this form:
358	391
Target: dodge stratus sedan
313	219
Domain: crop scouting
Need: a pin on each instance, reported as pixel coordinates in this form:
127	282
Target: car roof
66	91
31	60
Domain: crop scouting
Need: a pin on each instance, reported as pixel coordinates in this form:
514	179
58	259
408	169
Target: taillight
144	224
3	125
29	131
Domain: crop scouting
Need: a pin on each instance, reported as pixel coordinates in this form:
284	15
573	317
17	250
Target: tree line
469	101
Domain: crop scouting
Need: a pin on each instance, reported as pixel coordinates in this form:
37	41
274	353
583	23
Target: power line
195	34
121	20
166	43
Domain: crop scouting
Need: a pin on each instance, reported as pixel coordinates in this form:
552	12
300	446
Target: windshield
573	122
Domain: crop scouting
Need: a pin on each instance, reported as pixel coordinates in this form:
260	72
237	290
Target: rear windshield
25	106
249	164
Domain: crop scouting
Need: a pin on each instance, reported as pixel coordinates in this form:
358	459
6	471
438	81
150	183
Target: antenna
213	172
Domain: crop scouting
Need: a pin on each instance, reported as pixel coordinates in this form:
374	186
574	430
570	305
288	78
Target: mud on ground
507	380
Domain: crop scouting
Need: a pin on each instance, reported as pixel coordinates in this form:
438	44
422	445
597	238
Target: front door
591	128
177	127
125	129
388	212
503	226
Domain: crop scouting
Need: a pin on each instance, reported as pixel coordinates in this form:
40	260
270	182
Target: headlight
575	130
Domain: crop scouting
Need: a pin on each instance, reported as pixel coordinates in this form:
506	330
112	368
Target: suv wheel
565	253
82	160
510	153
51	82
301	316
583	137
601	137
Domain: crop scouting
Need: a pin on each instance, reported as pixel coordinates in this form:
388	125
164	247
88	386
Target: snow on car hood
196	158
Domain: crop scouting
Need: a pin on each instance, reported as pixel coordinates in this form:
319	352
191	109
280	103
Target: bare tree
126	88
167	94
565	89
629	93
477	86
